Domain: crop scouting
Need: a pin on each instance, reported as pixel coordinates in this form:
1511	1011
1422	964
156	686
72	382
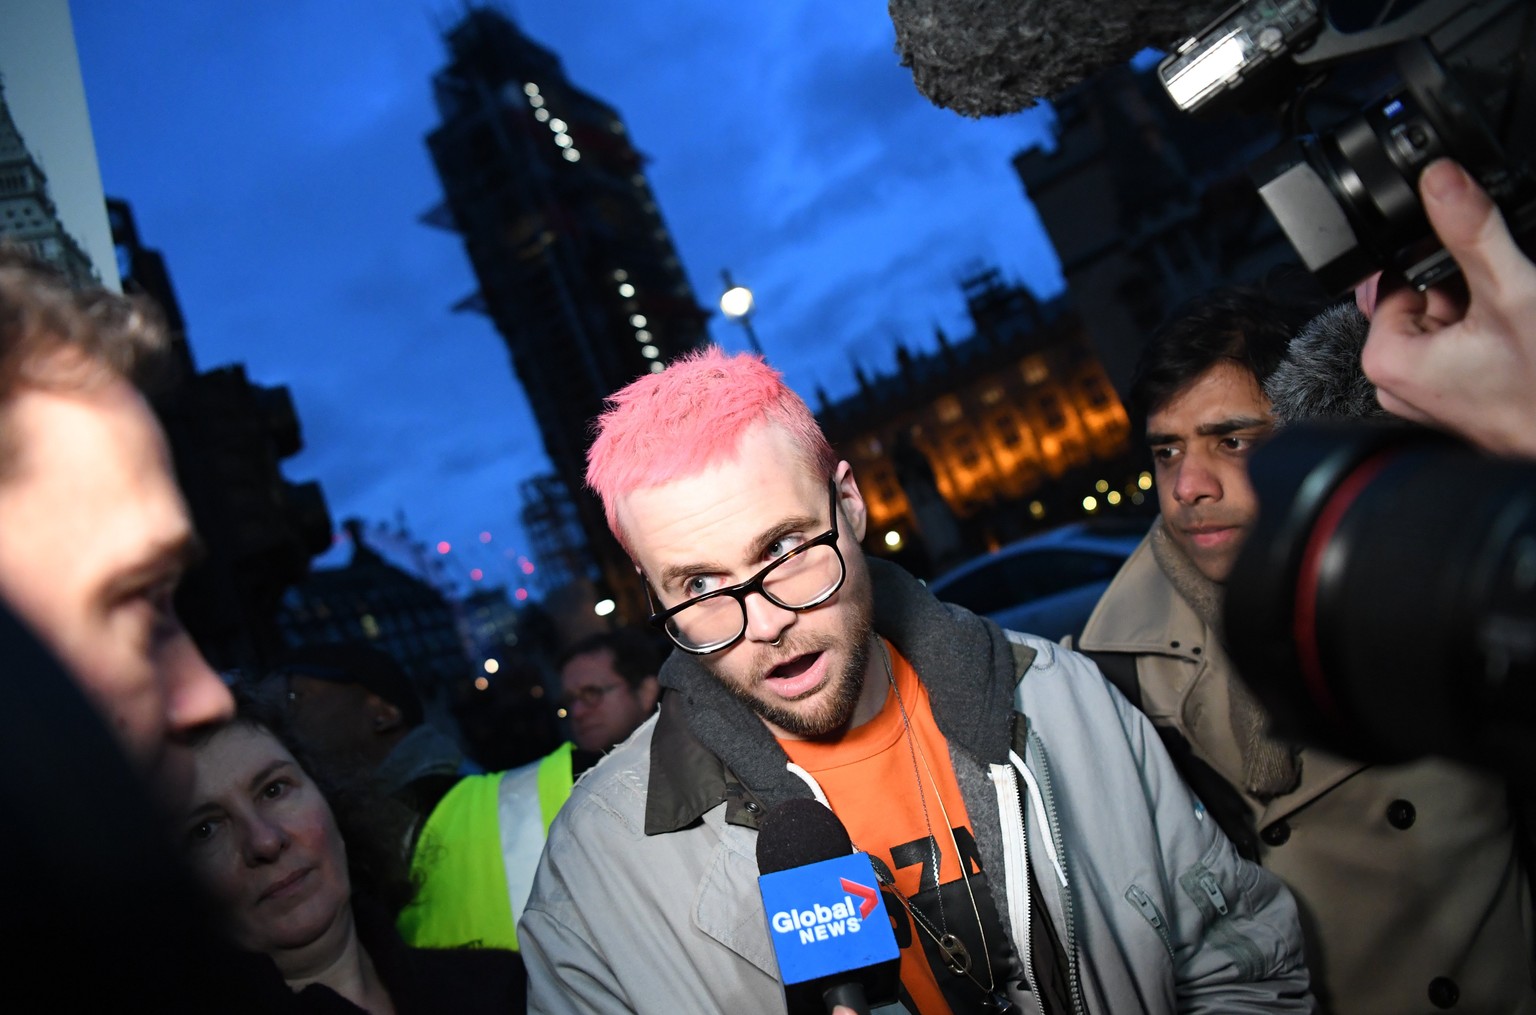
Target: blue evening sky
274	152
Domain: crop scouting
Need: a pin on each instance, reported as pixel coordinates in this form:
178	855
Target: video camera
1347	196
1384	606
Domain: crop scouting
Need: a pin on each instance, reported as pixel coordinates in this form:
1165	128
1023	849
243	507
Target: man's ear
648	691
851	501
383	716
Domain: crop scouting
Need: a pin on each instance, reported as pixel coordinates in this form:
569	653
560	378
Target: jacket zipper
1149	911
1044	780
1016	866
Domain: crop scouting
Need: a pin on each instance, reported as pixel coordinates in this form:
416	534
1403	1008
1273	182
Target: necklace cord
957	957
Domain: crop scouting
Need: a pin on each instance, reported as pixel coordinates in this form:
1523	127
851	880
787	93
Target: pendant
956	956
999	1003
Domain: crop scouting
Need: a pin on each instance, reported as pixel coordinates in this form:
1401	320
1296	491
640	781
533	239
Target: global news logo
821	923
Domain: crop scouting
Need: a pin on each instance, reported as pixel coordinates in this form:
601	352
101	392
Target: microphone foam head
991	57
799	832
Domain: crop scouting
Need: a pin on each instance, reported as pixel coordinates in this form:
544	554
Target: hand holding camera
1462	355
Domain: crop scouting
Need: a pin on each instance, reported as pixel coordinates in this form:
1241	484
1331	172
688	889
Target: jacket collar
1159	624
709	747
686	780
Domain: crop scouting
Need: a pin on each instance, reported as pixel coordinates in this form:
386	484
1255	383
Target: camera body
1346	196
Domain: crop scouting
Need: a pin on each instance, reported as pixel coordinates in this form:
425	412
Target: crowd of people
1109	825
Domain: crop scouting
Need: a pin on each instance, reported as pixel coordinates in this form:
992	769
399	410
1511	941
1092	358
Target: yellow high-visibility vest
477	853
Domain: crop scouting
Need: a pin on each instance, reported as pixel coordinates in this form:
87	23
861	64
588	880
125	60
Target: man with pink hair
1035	846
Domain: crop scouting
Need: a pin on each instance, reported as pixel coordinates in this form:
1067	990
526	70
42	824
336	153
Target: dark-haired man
1411	893
608	687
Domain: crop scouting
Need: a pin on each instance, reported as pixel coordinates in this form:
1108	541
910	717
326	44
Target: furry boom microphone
989	57
1320	377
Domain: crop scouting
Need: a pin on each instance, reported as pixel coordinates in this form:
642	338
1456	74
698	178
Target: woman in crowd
263	838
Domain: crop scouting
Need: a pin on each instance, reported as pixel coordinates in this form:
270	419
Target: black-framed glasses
588	697
805	577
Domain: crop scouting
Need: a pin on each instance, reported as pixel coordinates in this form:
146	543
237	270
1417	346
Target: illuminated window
1050	407
965	450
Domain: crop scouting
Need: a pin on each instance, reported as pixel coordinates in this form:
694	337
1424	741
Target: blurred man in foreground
94	534
94	538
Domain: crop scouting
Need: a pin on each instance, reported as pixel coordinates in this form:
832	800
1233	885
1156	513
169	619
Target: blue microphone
830	931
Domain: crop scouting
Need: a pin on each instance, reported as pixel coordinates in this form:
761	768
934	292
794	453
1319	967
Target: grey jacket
646	897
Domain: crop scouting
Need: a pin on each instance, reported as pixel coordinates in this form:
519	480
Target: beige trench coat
1412	897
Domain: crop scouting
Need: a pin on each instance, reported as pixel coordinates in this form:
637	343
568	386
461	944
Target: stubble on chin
830	708
833	705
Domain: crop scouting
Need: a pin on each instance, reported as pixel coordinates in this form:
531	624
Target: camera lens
1385	604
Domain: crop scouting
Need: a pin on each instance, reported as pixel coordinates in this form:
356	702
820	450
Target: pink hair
680	421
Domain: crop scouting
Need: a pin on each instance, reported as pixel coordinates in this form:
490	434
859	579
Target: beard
837	698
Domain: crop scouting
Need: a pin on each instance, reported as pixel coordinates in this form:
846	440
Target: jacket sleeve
621	921
567	972
1150	873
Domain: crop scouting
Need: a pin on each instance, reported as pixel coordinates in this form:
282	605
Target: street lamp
736	303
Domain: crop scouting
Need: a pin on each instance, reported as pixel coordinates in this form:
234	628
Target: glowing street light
736	303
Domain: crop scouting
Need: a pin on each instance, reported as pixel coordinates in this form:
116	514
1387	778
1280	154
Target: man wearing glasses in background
608	688
481	844
1034	843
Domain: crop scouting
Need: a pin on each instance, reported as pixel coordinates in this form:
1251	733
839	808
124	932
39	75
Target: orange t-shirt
869	779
